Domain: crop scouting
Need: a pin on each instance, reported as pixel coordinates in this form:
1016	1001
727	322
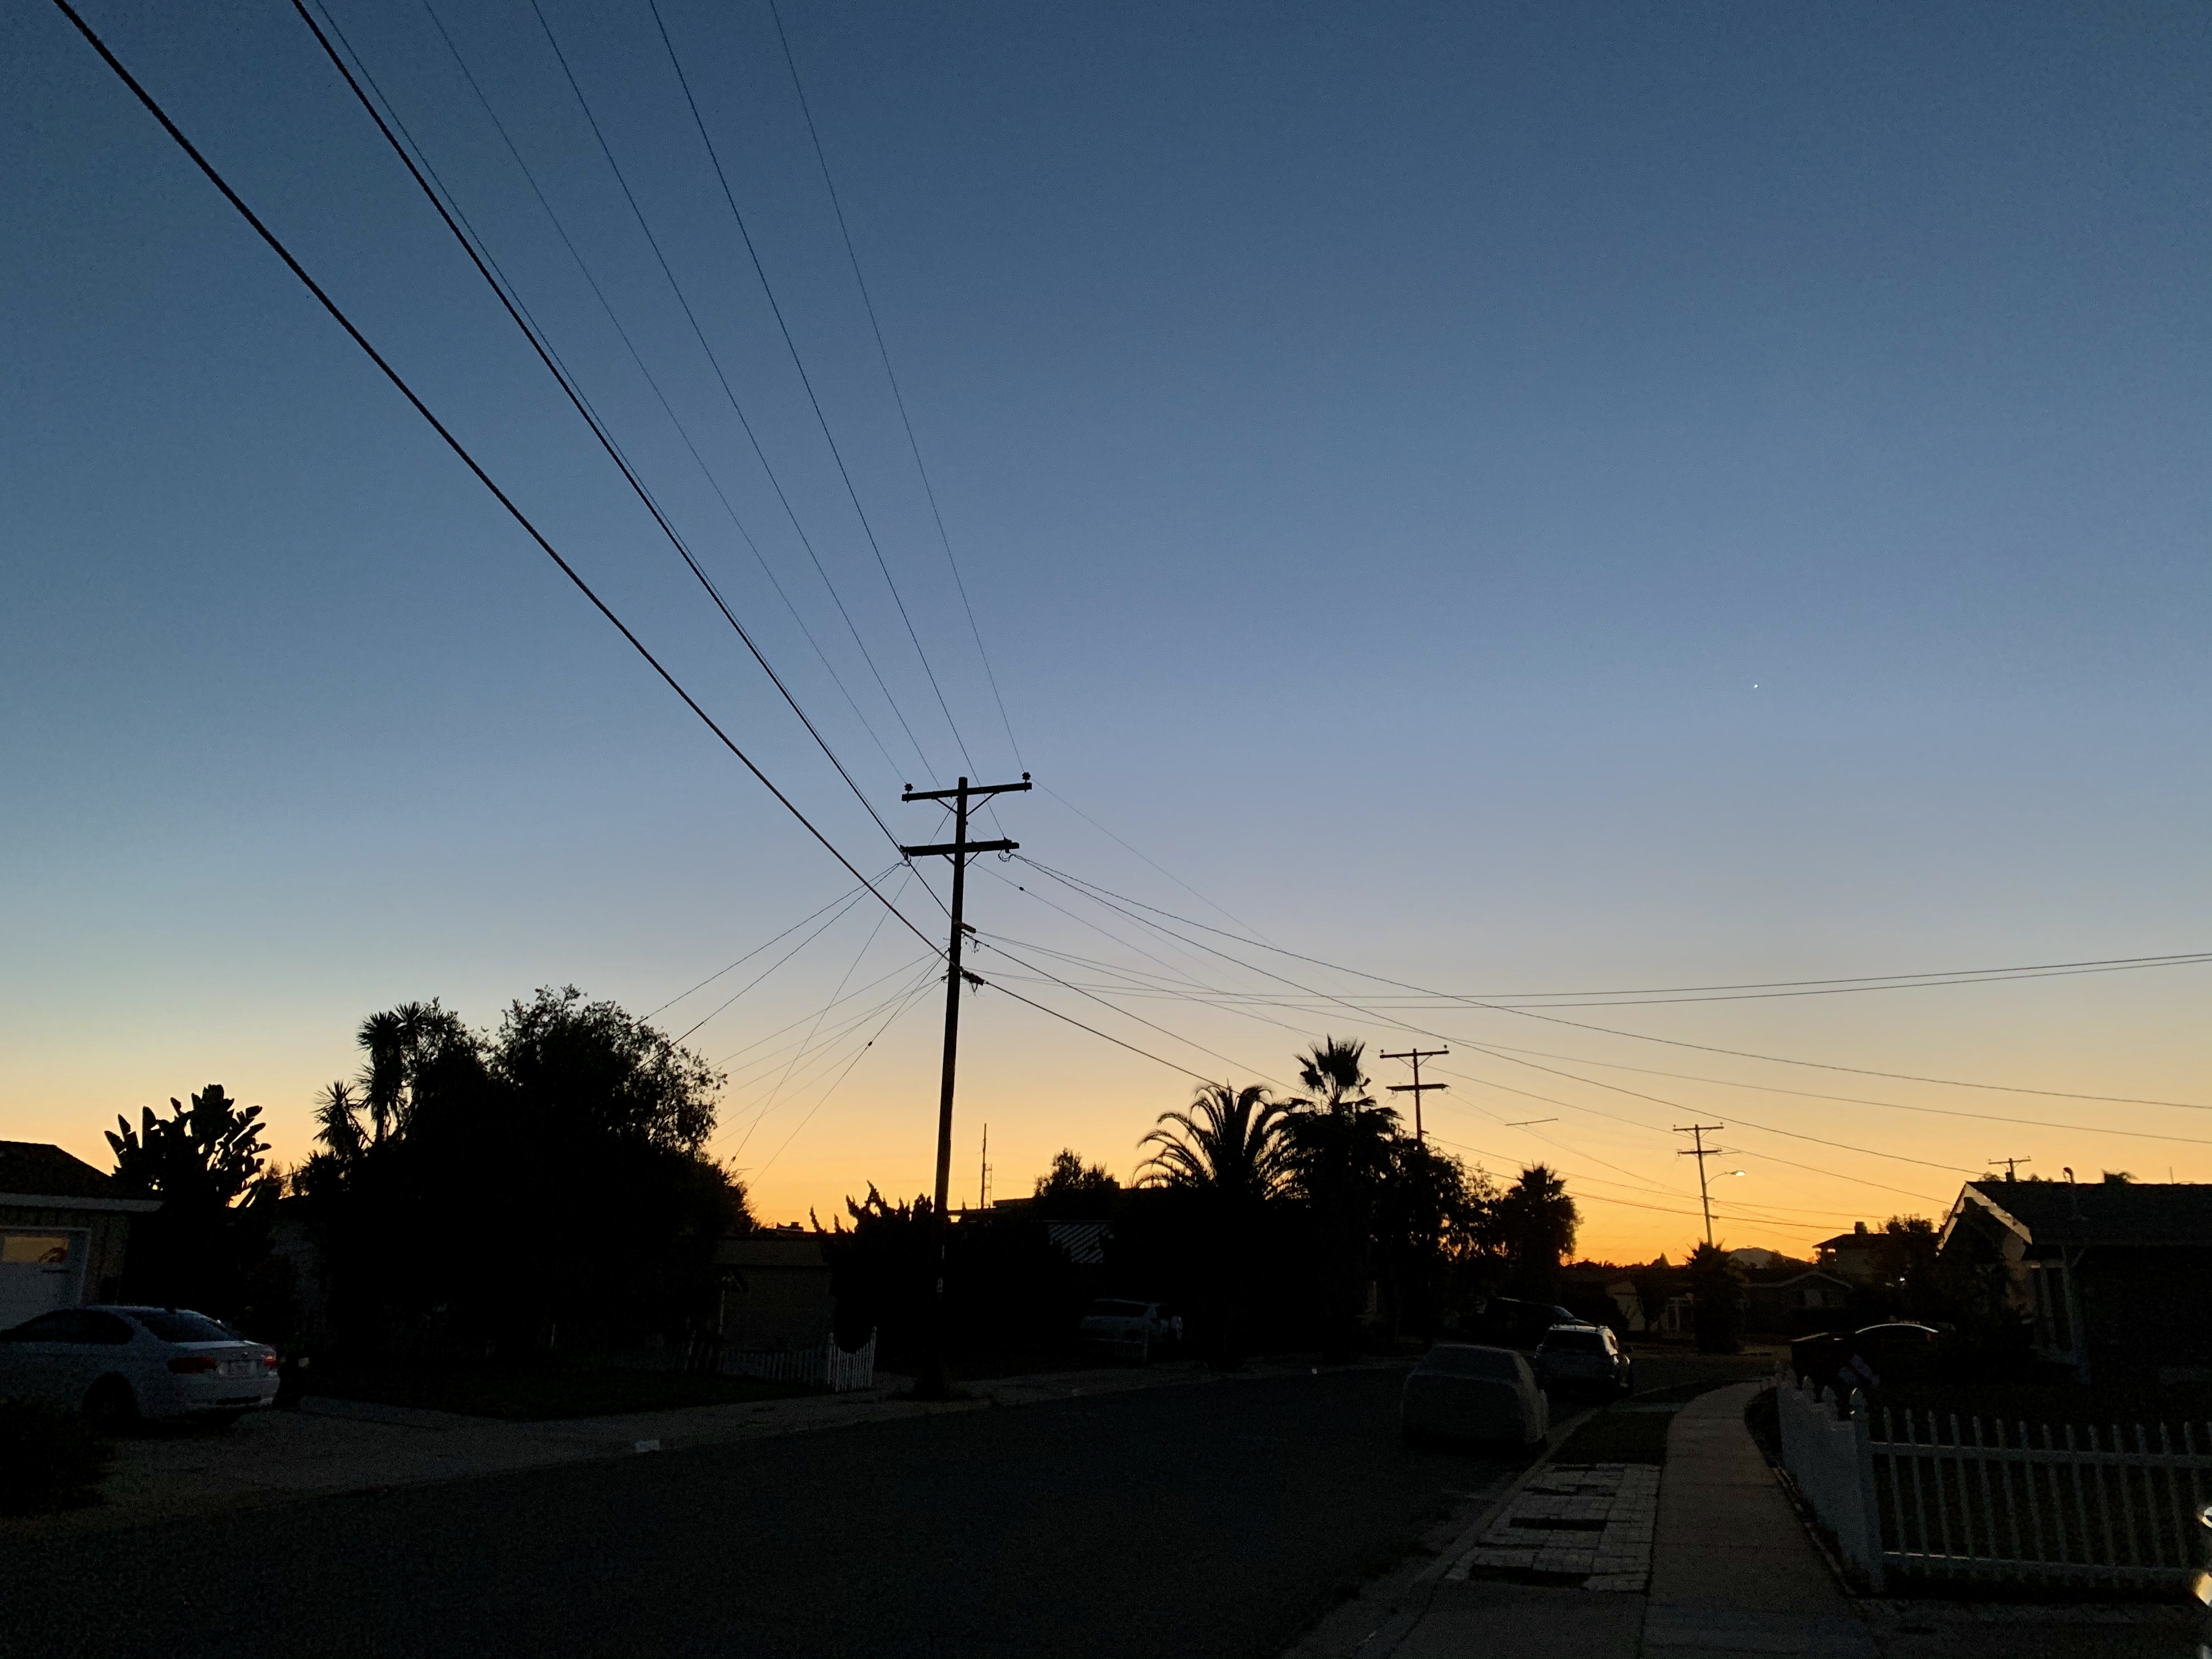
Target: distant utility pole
1416	1087
983	1177
959	849
2012	1165
1698	1131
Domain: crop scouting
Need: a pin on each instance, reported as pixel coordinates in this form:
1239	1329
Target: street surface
1217	1520
1213	1520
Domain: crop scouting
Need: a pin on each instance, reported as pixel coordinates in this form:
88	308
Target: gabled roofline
1997	1213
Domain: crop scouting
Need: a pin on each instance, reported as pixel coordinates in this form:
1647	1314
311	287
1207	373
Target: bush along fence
1920	1494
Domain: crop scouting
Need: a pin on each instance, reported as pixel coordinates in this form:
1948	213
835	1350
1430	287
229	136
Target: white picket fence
828	1365
1936	1495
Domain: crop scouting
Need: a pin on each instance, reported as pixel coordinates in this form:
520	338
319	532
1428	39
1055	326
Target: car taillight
187	1364
268	1362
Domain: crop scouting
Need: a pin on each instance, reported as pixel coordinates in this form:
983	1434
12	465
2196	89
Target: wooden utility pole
2012	1165
934	1381
1698	1131
1416	1088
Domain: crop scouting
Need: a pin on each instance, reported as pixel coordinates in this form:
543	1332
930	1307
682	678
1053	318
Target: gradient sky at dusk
1506	499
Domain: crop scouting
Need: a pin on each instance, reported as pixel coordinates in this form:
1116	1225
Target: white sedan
120	1364
1463	1392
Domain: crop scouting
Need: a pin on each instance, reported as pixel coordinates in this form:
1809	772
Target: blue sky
1503	498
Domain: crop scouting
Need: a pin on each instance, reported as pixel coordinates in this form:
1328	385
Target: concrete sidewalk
1554	1566
1732	1569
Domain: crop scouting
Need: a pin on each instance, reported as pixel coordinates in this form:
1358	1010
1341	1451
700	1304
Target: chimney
1858	1226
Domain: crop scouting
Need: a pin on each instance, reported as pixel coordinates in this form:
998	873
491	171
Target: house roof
32	1168
1772	1279
1846	1241
770	1250
2105	1212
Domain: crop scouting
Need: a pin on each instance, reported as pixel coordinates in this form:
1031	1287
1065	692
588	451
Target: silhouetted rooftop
32	1167
2106	1211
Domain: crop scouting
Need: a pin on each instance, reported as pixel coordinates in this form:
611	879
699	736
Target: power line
1583	1025
757	949
636	357
576	398
337	315
715	362
884	353
806	380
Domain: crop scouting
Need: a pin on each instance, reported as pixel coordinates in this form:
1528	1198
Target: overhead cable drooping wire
806	380
757	949
715	362
576	397
636	357
208	170
1077	882
883	353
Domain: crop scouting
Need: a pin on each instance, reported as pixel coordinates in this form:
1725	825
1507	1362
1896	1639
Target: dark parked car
1584	1359
1507	1321
1896	1352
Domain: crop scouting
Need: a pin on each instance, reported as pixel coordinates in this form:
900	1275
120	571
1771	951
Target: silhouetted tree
1718	1284
1340	1143
1229	1150
1074	1190
1535	1222
1432	1224
206	1162
542	1184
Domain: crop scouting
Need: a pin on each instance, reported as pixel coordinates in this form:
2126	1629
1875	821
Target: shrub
49	1459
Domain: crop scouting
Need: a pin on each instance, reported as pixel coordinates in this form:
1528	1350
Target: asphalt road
1217	1520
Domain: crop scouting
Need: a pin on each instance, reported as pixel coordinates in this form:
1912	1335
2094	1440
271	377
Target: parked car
1130	1330
1463	1392
1897	1351
1507	1321
120	1364
1584	1359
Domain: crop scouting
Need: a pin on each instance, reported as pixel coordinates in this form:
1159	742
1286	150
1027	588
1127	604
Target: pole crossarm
949	848
1699	1151
1416	1088
967	791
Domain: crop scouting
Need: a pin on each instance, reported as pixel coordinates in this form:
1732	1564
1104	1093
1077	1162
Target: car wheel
110	1405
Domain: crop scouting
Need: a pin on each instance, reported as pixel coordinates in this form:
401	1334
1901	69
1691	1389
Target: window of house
34	1249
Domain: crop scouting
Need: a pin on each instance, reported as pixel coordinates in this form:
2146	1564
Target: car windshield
1454	1361
182	1325
1116	1310
1573	1342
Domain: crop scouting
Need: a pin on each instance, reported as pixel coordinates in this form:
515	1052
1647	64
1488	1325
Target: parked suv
1572	1357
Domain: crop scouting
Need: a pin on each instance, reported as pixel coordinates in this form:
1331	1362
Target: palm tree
1227	1149
1339	1144
1536	1222
1229	1143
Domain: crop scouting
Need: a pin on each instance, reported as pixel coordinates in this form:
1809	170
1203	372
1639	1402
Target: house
1850	1256
1790	1298
63	1229
775	1295
2117	1277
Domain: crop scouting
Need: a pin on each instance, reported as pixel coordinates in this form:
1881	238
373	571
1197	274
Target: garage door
40	1269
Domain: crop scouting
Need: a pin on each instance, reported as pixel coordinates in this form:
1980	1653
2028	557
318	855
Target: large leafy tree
1431	1222
542	1184
207	1162
1072	1189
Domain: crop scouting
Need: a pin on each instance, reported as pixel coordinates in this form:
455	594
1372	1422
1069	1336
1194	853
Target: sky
1493	500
